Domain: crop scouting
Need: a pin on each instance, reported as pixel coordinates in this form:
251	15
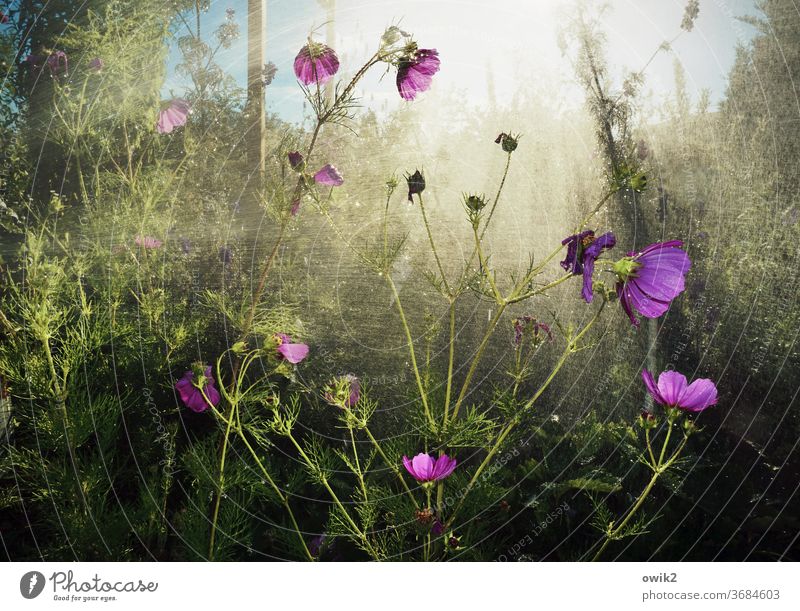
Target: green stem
427	547
572	344
412	352
324	480
450	359
658	468
392	466
489	218
502	437
485	268
497	197
433	245
476	359
284	498
220	482
358	464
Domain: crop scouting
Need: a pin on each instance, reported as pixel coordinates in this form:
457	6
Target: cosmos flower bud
423	516
647	420
344	391
392	35
296	161
689	426
507	142
475	203
416	184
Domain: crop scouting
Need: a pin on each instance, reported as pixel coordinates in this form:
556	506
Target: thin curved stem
392	466
410	341
433	245
284	498
476	359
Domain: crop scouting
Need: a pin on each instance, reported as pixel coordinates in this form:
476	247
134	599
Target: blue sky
515	40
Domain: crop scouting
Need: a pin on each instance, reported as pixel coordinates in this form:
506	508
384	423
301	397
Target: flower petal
294	353
329	176
699	395
444	467
650	383
645	304
622	294
409	467
423	467
671	385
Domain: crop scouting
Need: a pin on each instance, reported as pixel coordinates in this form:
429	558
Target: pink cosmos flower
293	353
329	176
174	115
315	63
424	468
192	396
415	72
147	242
673	391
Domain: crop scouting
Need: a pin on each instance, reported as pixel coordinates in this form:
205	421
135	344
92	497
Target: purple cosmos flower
415	72
296	160
294	353
424	468
3	17
673	391
192	396
174	115
416	184
651	279
582	251
96	64
329	176
295	207
437	529
315	63
147	242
